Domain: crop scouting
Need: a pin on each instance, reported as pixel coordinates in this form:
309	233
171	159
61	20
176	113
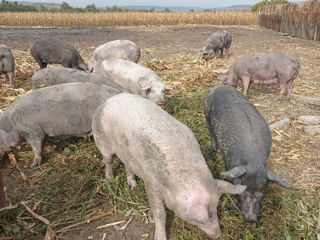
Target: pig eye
148	90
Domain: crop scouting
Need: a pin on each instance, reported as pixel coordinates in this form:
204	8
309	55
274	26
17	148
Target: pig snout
250	217
250	208
160	103
213	233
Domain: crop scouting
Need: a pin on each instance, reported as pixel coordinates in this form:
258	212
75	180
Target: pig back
65	109
151	142
239	130
123	49
53	50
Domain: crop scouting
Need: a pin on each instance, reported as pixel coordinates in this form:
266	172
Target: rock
310	119
313	101
280	124
312	130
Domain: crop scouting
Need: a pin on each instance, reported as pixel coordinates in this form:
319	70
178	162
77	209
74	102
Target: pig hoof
132	184
12	86
34	164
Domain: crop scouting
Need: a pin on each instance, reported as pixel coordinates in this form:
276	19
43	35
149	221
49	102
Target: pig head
256	181
153	90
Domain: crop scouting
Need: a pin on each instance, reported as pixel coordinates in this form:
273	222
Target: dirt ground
165	43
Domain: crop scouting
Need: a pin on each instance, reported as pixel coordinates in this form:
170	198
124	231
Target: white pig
165	154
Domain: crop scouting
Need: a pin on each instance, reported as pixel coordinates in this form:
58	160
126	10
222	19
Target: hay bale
265	16
310	19
317	27
277	17
297	14
286	18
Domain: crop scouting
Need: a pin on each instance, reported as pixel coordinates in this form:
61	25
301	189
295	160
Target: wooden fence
300	19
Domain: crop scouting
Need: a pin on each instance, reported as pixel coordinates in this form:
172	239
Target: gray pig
62	110
7	64
59	75
218	41
244	138
123	49
264	69
135	79
165	154
51	50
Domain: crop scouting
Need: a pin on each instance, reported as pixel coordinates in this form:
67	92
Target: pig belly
266	81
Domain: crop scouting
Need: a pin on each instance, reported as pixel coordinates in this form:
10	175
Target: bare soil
295	155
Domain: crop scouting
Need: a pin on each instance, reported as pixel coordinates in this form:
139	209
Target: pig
7	64
123	49
244	138
135	79
61	110
59	75
165	154
220	40
51	50
264	69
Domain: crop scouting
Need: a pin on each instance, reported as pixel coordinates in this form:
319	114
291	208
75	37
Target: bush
257	7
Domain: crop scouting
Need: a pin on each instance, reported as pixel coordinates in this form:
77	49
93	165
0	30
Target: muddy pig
51	50
220	40
264	69
61	110
7	64
165	154
135	79
123	49
244	138
59	75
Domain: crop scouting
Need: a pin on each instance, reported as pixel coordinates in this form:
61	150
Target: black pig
244	138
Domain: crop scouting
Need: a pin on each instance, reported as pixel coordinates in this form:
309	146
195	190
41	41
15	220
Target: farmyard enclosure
69	189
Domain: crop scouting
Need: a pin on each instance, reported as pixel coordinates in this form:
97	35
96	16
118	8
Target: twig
9	207
40	218
125	226
103	236
87	220
111	224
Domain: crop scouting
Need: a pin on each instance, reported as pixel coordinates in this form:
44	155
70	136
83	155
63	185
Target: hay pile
301	19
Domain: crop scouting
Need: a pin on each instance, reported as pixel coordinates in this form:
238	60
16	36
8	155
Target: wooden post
2	198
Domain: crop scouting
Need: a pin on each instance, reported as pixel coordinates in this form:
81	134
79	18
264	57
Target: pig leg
289	88
221	50
10	74
5	78
37	145
227	53
246	83
283	87
158	212
130	177
101	144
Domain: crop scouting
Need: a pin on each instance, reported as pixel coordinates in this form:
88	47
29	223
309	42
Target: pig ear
273	177
234	172
226	187
168	88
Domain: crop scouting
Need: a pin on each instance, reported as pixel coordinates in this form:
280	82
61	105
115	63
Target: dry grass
127	19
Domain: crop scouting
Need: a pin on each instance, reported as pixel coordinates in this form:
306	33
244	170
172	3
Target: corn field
47	19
